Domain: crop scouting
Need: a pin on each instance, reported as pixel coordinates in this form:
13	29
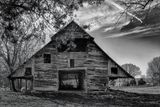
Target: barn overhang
22	77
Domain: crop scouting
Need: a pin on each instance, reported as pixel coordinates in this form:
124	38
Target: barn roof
86	35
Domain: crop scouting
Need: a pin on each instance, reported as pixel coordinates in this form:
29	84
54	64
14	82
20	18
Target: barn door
71	80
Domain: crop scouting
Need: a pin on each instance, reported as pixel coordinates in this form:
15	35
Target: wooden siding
21	70
93	61
120	73
97	64
45	76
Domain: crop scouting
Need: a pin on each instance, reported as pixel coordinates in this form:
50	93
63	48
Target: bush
141	82
132	82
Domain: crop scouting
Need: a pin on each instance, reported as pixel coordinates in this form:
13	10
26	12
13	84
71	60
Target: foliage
141	82
133	82
153	71
132	69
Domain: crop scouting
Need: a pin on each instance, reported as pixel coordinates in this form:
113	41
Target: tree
132	69
3	74
135	4
133	82
153	71
141	82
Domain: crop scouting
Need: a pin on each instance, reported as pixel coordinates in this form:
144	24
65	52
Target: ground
140	89
52	99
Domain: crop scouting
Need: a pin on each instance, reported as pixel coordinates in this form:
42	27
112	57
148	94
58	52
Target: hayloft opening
71	80
81	44
71	63
28	71
47	58
114	70
77	45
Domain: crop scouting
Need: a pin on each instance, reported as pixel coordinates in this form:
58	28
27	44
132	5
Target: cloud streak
98	16
122	9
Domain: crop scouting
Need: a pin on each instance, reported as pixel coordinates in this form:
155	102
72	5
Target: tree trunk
13	85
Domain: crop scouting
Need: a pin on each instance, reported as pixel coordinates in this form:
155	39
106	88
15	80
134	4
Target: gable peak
73	28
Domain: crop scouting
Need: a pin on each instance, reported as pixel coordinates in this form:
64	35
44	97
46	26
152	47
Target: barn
71	61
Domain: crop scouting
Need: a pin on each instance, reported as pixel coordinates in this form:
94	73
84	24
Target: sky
138	46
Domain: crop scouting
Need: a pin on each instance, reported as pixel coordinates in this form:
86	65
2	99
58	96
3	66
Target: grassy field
138	89
111	98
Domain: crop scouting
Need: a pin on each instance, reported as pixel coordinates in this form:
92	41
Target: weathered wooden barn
70	61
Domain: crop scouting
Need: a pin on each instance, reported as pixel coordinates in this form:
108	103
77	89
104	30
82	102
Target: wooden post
31	84
20	83
107	84
26	84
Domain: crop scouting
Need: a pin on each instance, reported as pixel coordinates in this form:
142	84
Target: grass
141	90
111	98
11	99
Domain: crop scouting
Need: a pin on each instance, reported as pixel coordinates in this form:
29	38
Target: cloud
121	34
98	16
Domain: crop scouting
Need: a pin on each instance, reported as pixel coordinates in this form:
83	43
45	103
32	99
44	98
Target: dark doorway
71	80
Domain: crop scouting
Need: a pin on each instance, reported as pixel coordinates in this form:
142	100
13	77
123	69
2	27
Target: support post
26	84
20	84
31	84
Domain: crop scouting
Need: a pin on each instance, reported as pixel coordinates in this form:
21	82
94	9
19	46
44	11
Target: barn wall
20	72
93	59
62	63
94	62
97	64
121	73
45	74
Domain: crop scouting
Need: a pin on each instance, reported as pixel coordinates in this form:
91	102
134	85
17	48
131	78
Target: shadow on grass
112	98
